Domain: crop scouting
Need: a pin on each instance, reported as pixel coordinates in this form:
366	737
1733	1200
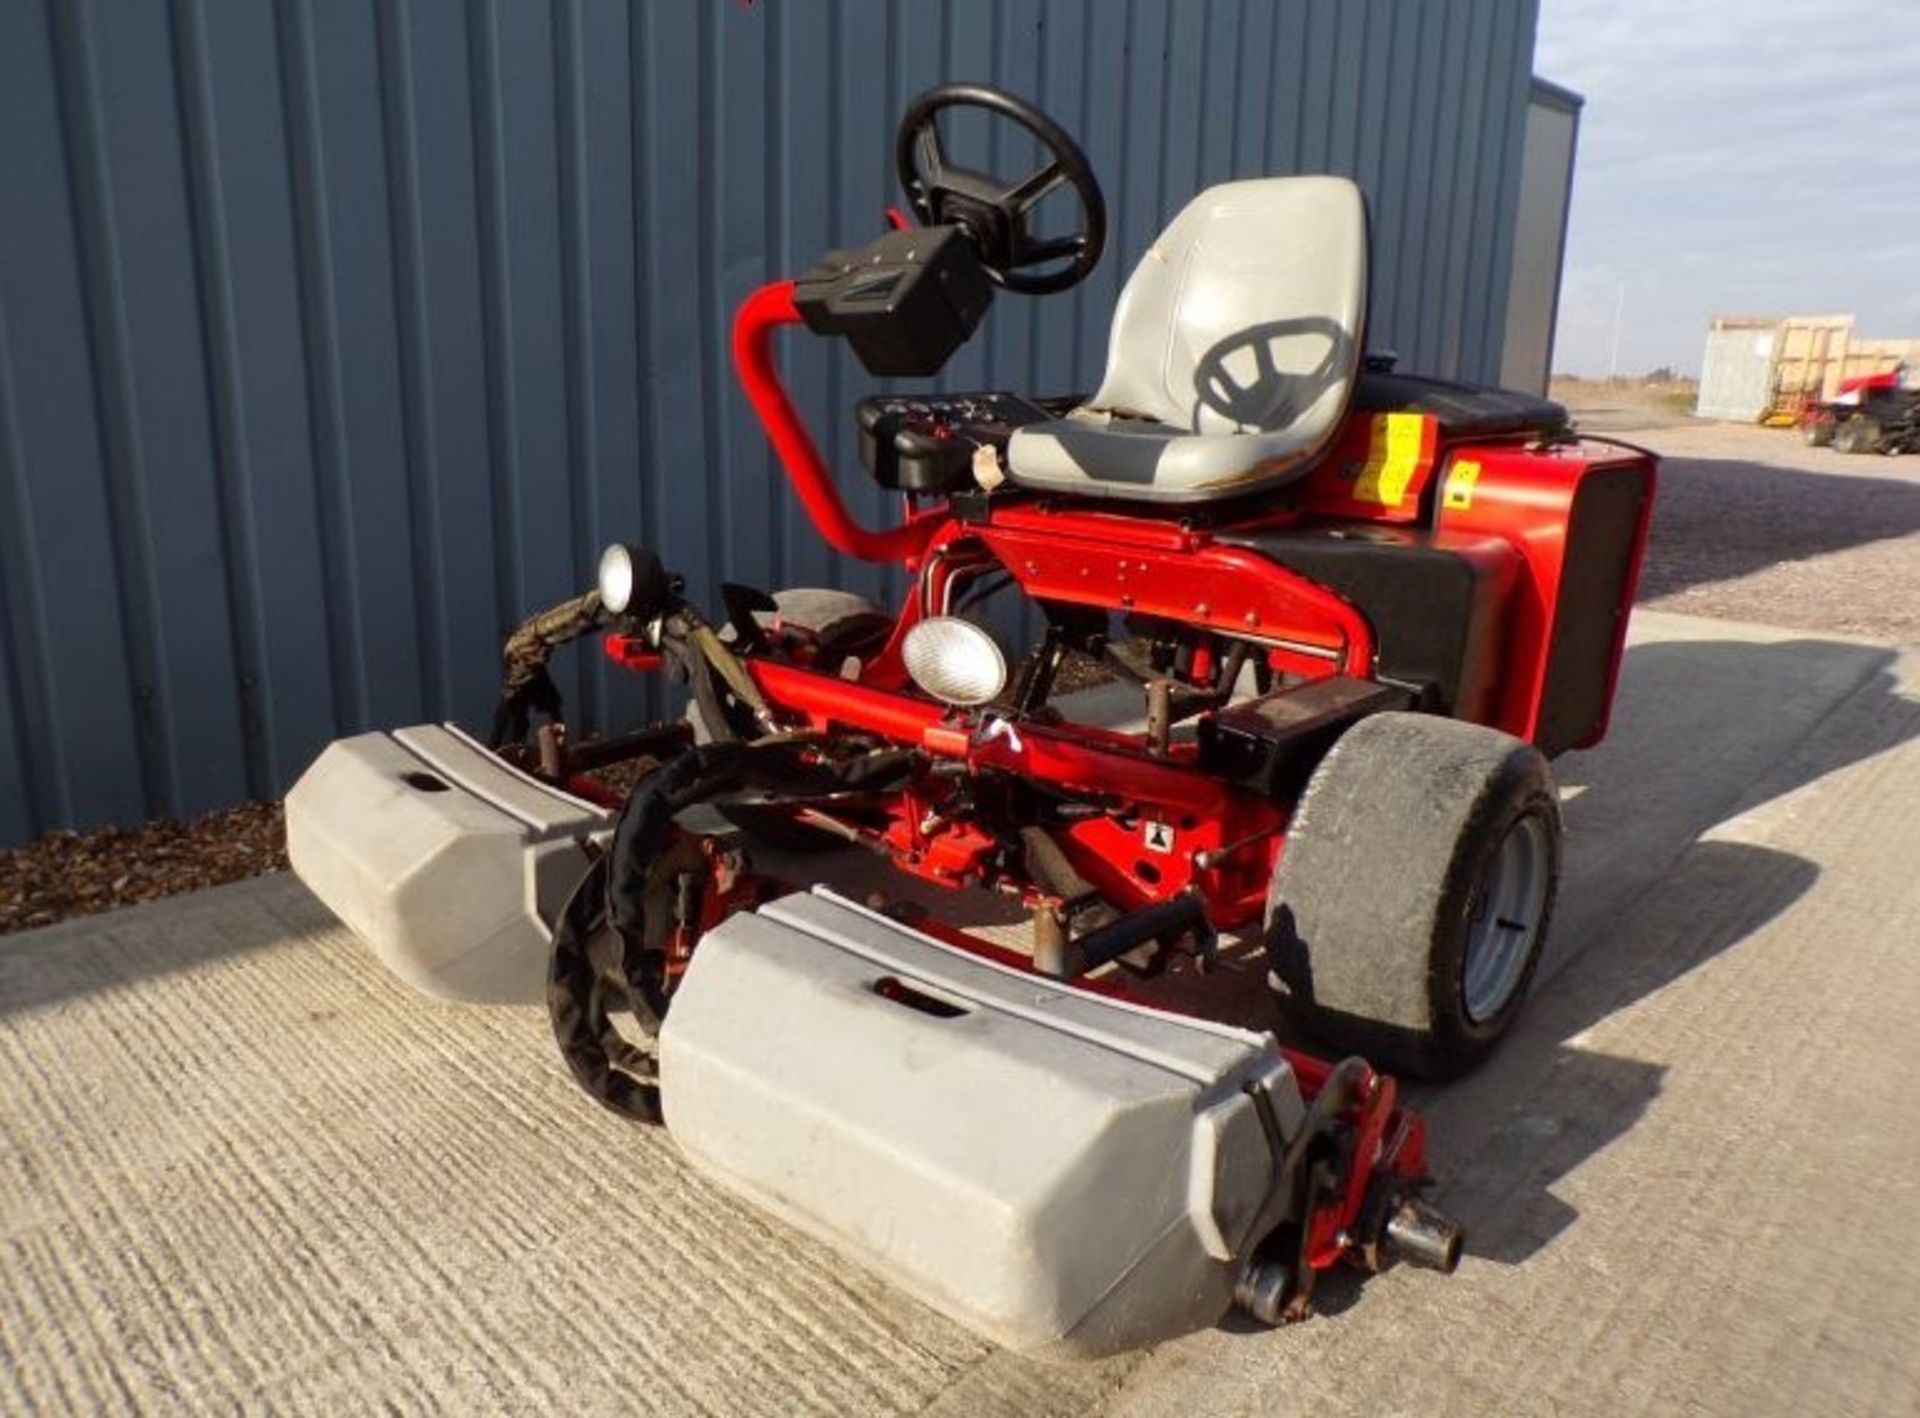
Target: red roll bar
765	311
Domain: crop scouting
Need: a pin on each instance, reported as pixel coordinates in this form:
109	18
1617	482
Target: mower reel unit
1342	618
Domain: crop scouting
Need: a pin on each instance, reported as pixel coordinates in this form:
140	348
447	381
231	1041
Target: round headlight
616	577
955	661
632	581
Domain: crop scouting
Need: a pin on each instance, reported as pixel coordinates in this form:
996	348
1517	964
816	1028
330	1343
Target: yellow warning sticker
1460	483
1393	457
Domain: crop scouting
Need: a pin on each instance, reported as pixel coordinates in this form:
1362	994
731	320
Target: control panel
926	442
905	301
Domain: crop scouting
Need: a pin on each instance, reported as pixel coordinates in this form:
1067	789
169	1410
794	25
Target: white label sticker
1157	835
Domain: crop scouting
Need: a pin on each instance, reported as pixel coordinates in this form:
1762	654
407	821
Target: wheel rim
1503	925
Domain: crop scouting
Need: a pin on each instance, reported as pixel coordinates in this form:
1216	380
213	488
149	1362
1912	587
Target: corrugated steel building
337	335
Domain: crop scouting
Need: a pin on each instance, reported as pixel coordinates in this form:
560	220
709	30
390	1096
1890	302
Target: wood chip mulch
67	874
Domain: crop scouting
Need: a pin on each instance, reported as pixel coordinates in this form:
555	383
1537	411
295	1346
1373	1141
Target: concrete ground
241	1168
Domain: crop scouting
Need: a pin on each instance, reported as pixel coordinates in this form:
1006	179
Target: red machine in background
1870	413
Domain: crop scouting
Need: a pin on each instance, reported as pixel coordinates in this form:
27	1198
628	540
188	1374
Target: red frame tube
1085	559
765	311
1070	759
1059	554
1087	759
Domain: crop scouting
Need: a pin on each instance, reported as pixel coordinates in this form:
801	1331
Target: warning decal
1401	446
1460	485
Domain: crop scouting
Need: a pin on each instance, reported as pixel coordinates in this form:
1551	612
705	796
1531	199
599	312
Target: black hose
601	957
584	987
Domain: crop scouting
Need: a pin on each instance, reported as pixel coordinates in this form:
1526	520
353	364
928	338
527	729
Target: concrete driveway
239	1167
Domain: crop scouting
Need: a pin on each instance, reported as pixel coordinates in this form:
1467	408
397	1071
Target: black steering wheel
992	212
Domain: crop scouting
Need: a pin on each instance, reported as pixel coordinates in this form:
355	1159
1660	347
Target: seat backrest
1246	314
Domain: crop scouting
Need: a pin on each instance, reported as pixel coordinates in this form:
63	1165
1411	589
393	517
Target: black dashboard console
905	302
926	442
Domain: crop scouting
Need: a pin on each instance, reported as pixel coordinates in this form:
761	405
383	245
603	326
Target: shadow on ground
120	949
1535	1113
1717	519
1702	725
1708	729
1506	1135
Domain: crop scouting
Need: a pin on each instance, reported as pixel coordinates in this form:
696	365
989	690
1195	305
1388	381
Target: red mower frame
1506	506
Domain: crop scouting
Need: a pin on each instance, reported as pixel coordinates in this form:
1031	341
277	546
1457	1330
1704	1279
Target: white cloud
1736	156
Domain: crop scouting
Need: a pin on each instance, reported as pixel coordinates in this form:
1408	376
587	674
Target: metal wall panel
337	335
1540	236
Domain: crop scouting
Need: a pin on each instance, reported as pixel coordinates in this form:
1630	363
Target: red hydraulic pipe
765	311
1045	755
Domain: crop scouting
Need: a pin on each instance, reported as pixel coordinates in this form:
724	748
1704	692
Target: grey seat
1233	354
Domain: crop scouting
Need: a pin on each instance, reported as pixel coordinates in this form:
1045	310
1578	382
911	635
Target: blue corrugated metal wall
336	335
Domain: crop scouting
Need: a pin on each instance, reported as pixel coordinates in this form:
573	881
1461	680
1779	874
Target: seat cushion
1233	351
1100	455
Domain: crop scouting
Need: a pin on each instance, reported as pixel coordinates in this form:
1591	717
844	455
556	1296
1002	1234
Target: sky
1736	157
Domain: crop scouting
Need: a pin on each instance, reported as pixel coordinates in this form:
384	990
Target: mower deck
1061	1172
450	863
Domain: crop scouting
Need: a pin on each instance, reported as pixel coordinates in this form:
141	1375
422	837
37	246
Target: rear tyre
1408	914
831	618
1857	435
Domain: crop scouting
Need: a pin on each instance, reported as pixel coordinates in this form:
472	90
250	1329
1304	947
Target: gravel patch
1753	525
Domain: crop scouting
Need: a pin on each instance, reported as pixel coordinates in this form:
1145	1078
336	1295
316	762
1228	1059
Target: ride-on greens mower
1346	616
